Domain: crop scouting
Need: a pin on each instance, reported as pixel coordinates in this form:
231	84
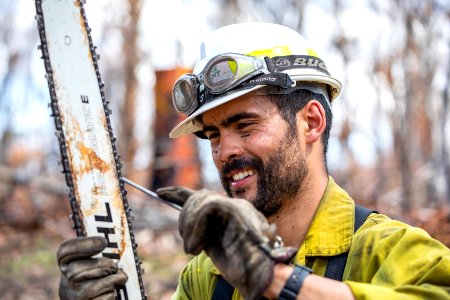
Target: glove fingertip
122	277
167	192
174	194
81	247
163	190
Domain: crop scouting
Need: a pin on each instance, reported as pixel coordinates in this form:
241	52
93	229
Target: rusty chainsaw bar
90	159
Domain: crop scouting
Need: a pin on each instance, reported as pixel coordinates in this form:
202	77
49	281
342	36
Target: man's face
258	155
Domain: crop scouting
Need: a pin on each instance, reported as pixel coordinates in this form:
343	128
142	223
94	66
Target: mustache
242	163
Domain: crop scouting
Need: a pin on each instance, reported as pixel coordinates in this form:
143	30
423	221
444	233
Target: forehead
252	104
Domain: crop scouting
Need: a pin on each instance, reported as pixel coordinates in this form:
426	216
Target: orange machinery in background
176	160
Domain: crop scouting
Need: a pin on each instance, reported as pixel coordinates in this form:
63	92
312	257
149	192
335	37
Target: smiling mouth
243	174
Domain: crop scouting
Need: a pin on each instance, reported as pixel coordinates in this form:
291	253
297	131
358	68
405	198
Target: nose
230	148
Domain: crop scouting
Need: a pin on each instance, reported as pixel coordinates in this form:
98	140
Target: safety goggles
221	74
231	72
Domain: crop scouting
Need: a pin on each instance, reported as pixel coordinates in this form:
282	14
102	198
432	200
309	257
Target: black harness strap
223	291
335	266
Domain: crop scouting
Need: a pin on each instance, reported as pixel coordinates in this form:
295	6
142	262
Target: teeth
241	175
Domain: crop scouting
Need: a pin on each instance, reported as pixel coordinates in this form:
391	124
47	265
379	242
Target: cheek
265	140
215	156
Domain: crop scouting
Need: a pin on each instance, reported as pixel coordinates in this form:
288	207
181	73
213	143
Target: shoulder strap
223	291
336	264
361	214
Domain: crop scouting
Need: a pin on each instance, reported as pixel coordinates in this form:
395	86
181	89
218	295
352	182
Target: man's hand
84	277
233	233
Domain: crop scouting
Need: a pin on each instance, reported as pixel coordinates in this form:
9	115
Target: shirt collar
331	229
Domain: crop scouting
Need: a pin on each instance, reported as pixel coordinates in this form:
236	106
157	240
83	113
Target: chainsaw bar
90	159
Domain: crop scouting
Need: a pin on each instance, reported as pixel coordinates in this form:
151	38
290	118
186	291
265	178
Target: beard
279	179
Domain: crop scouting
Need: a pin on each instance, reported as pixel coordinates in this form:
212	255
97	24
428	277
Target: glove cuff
294	283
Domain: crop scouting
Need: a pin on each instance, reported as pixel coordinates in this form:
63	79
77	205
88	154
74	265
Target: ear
314	121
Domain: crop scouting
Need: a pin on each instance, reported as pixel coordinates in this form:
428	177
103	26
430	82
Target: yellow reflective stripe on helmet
278	51
271	52
311	52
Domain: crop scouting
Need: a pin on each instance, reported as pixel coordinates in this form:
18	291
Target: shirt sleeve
196	281
391	260
183	291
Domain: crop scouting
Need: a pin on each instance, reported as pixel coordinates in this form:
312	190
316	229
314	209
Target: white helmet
237	59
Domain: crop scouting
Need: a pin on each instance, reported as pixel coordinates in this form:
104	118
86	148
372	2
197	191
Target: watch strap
294	283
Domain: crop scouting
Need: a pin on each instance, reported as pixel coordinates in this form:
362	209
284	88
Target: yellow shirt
387	259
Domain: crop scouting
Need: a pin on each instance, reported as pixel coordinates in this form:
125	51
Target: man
262	97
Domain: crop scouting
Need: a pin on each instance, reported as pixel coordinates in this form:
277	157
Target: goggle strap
281	80
283	63
269	64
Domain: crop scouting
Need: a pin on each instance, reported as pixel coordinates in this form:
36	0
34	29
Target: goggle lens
220	73
185	94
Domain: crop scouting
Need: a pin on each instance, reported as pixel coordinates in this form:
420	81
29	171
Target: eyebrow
231	120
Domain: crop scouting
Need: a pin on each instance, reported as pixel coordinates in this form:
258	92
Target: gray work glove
84	277
233	233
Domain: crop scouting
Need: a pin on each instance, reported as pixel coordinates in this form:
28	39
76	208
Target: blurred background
389	146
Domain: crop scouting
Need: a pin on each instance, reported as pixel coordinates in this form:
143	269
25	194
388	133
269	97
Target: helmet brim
191	124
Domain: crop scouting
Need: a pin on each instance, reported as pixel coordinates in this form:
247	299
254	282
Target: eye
247	126
212	135
244	125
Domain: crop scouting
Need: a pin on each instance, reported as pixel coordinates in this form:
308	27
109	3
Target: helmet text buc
310	62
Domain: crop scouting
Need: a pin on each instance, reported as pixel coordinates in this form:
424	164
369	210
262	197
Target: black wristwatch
294	283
